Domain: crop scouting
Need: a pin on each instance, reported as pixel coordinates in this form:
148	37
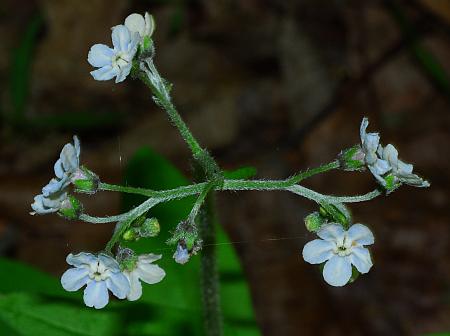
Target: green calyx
128	264
391	183
71	208
85	181
352	159
142	227
186	233
314	221
150	228
334	214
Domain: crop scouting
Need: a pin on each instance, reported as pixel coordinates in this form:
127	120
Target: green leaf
30	314
180	289
19	276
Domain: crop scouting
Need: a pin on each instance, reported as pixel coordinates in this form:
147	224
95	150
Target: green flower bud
352	159
314	221
130	235
150	228
85	181
71	208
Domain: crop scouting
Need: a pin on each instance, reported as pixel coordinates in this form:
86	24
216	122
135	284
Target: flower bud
150	228
314	221
352	159
85	181
71	208
130	235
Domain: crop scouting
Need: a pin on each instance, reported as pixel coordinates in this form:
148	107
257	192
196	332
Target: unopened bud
150	228
314	221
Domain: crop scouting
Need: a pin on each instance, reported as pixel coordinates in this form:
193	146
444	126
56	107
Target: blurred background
278	85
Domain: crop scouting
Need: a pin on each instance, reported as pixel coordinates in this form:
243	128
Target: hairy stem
153	80
209	275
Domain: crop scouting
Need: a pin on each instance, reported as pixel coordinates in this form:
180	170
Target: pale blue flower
65	167
146	271
143	25
340	249
48	204
181	255
402	172
100	274
116	61
369	144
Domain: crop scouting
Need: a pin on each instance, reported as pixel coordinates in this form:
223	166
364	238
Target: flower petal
337	271
360	257
96	294
59	169
81	259
55	186
331	232
390	154
150	273
318	251
38	206
105	73
121	38
135	23
361	234
404	168
149	24
100	55
74	278
149	258
123	73
76	143
135	286
109	262
118	284
363	128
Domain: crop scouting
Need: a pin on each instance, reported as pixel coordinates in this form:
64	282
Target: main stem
209	275
206	169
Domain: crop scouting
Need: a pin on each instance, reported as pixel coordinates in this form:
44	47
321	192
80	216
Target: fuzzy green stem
209	275
153	80
228	185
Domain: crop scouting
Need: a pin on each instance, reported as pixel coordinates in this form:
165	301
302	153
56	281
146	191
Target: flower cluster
127	39
100	273
384	164
55	197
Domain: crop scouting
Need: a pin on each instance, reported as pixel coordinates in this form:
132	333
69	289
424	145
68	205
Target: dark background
279	85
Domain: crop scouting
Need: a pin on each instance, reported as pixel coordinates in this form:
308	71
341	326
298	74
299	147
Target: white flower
100	273
117	61
69	160
340	250
143	25
48	204
400	170
55	192
369	144
146	271
181	255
